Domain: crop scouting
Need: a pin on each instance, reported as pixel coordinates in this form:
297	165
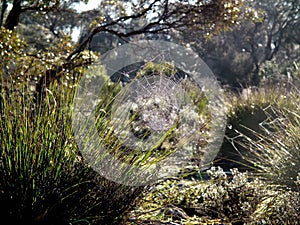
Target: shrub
236	199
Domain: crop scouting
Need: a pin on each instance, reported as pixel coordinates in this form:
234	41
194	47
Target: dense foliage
45	180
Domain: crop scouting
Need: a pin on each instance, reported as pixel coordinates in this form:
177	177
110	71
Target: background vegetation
253	48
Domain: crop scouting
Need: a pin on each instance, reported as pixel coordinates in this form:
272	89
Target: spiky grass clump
262	134
43	179
275	150
247	111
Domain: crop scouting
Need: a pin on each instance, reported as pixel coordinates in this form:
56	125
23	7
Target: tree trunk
12	19
3	9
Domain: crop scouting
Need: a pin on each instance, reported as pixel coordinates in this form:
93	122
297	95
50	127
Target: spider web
151	114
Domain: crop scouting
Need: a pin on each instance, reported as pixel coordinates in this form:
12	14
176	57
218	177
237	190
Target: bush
223	199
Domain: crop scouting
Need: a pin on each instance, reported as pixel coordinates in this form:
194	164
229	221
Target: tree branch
170	16
105	27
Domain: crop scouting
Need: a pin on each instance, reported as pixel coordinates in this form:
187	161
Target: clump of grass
275	150
262	134
43	178
247	111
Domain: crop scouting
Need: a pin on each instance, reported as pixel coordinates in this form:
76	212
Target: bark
14	15
3	9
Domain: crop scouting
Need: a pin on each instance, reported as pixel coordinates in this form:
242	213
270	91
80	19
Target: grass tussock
274	151
262	134
44	179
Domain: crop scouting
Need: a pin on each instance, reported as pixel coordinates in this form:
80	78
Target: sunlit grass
44	179
263	131
274	151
